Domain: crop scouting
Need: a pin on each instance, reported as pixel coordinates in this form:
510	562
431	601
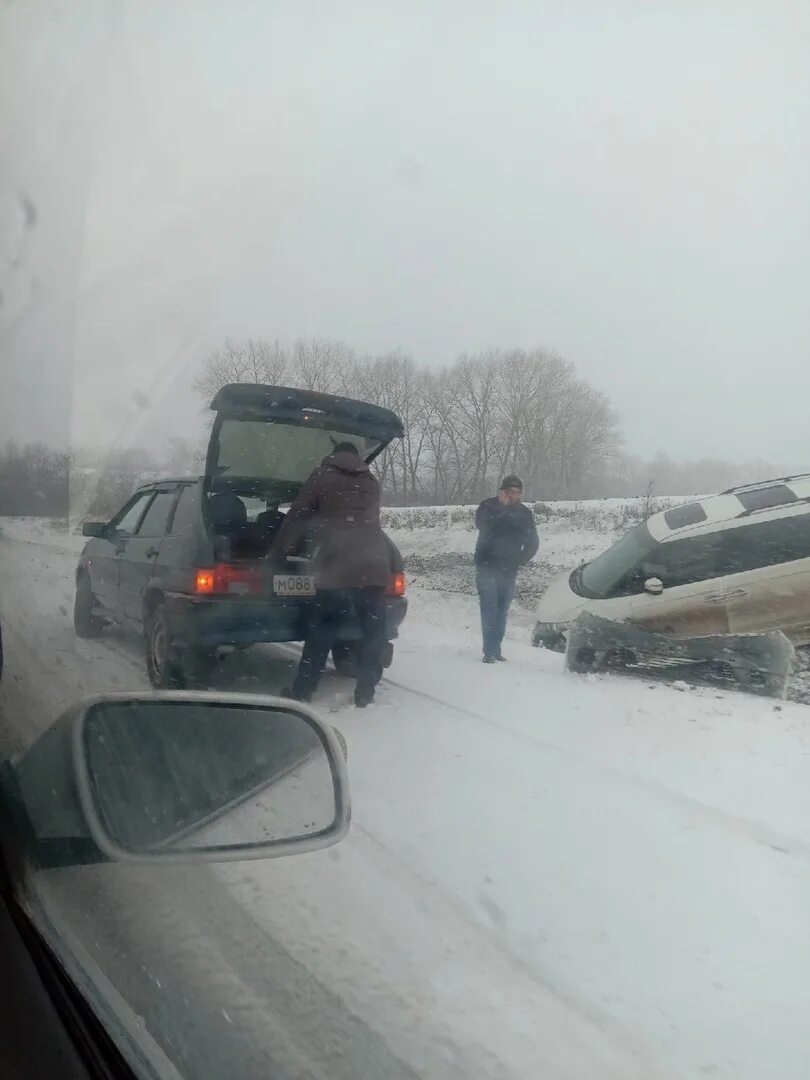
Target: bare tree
322	365
248	362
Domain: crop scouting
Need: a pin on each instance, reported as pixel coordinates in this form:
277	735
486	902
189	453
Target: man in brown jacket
339	507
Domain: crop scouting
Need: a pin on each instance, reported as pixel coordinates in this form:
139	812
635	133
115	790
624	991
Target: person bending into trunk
507	539
339	507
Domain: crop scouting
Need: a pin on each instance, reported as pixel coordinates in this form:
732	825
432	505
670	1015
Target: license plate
293	584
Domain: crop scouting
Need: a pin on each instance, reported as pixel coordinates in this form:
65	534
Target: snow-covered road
546	875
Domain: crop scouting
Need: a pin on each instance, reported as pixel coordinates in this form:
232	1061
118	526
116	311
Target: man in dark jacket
507	539
339	507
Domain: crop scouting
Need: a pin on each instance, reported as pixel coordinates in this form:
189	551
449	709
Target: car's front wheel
85	623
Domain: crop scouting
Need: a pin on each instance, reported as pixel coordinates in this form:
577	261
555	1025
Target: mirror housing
654	586
183	777
98	529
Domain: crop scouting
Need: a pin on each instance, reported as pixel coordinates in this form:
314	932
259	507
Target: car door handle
151	553
721	597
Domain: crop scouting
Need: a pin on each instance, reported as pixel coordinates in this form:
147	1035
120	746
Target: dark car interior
235	536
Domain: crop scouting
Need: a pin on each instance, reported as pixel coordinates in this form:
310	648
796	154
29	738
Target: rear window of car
691	514
156	517
283	455
762	498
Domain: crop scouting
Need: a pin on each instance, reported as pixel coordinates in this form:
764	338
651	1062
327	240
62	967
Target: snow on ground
547	875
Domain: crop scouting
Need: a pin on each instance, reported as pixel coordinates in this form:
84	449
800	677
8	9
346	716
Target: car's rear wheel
163	661
197	666
85	623
346	657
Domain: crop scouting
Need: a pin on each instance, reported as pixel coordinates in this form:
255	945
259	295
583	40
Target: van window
691	514
730	551
762	498
154	522
600	578
696	558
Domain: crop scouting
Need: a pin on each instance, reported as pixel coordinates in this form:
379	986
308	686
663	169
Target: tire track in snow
741	826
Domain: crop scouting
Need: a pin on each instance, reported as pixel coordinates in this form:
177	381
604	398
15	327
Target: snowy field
547	875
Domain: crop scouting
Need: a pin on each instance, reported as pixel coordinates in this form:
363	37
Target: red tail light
396	586
229	579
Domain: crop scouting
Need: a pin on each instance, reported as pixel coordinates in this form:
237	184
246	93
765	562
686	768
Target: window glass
185	511
768	543
279	456
154	523
691	514
680	562
730	551
599	578
127	520
761	498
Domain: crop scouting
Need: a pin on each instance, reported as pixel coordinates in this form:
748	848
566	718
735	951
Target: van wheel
85	623
162	656
346	658
387	654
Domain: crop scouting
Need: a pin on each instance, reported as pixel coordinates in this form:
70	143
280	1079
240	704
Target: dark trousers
330	609
496	587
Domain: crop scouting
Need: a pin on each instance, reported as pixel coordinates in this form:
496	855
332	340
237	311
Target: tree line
37	481
466	425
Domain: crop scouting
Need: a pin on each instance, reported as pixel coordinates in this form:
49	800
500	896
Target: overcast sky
626	184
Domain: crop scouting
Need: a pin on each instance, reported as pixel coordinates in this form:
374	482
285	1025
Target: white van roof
746	501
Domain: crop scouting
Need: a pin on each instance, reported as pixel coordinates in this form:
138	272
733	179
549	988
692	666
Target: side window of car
126	521
631	584
685	561
157	516
186	510
769	543
730	551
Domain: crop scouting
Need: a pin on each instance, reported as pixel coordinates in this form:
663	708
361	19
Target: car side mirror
191	777
99	529
654	586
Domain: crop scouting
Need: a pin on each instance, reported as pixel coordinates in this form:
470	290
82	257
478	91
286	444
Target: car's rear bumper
204	622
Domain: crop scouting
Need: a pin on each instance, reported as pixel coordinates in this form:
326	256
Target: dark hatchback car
185	561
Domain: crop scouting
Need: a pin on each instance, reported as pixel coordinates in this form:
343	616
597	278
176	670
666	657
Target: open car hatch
266	440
